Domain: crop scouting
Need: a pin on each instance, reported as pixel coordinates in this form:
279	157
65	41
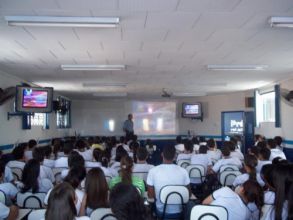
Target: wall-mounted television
33	99
192	110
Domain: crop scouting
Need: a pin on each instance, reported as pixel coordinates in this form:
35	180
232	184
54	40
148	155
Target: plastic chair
183	163
57	173
229	167
102	214
227	177
197	171
37	214
17	173
30	200
173	195
208	212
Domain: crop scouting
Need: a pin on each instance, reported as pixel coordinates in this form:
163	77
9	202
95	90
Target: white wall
11	131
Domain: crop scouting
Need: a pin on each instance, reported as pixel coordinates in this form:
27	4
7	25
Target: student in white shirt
151	148
63	161
250	162
57	145
123	143
258	138
141	165
8	213
8	188
263	158
8	176
83	151
48	162
275	152
29	152
188	151
279	141
226	160
166	174
62	204
235	152
179	145
213	153
96	157
237	203
19	159
74	160
202	158
108	171
195	145
120	152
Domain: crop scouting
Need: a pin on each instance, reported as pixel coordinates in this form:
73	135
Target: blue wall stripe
44	141
6	147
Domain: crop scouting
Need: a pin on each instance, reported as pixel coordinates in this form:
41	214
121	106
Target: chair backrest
197	171
141	175
102	214
228	167
17	173
174	195
266	211
183	163
37	214
227	177
2	197
208	212
30	200
57	173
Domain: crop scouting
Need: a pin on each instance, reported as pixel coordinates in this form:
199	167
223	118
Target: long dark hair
75	176
254	193
61	203
96	189
31	172
250	161
127	204
126	169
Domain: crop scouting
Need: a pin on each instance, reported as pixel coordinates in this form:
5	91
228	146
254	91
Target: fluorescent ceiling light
188	94
100	84
110	94
237	67
92	67
281	22
52	21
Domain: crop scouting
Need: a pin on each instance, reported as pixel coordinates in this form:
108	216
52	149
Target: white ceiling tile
149	5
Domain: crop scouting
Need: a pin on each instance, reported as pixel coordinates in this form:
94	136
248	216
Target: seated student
57	145
45	172
95	162
236	203
235	152
82	150
8	213
104	160
179	145
141	164
279	141
8	188
188	151
48	162
250	163
19	159
126	203
63	161
96	192
213	153
61	204
97	144
151	148
263	158
74	160
166	174
275	152
258	138
28	154
31	181
120	152
123	143
202	158
195	143
126	176
226	160
254	151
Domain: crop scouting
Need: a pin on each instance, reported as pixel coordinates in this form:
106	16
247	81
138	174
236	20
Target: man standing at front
128	127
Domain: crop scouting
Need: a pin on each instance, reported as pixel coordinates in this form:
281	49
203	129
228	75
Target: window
64	113
38	119
265	107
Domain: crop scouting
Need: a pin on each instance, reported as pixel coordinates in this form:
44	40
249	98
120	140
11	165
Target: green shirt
136	181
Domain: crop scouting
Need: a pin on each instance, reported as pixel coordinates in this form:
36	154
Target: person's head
262	144
254	151
266	175
97	154
279	160
38	154
104	159
226	149
203	149
142	154
30	174
68	146
278	140
232	145
96	189
130	116
75	159
120	152
149	143
126	203
61	203
18	152
178	139
211	144
195	140
32	143
234	140
80	145
188	146
97	140
169	152
126	166
250	163
258	137
271	143
264	153
47	151
75	176
122	139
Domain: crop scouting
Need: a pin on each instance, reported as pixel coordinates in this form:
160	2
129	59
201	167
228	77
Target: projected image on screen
154	118
191	109
34	98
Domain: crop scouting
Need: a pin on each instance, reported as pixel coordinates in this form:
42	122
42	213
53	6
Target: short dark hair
226	148
188	145
18	152
142	153
32	143
75	159
80	144
38	154
272	143
68	146
278	140
231	145
262	144
47	151
211	143
265	153
97	154
169	152
203	149
254	150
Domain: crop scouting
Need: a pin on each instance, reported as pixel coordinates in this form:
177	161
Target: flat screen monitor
191	110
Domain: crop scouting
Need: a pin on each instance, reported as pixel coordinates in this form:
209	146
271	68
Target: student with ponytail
126	175
250	163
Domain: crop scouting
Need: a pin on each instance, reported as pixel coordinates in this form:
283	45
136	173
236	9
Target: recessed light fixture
53	21
188	94
100	84
110	94
76	67
237	67
286	22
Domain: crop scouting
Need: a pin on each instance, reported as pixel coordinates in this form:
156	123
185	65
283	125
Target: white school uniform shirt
202	159
236	208
87	154
64	173
184	156
179	147
108	171
214	155
9	189
61	162
227	161
239	180
167	174
16	163
8	176
142	167
126	147
28	154
275	152
49	163
44	185
4	211
269	199
238	154
47	173
116	165
91	164
261	163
